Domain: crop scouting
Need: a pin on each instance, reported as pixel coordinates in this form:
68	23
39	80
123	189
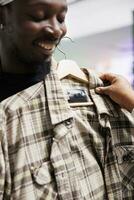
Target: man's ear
2	15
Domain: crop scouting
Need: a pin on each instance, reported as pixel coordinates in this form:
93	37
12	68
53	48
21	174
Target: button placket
58	162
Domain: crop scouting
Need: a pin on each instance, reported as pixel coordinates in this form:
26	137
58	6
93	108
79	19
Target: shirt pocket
125	157
43	180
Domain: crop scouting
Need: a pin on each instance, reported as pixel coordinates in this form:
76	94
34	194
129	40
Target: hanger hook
65	57
66	37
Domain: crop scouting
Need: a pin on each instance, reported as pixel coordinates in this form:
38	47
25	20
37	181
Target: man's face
34	28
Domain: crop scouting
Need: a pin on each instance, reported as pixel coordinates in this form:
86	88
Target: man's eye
36	19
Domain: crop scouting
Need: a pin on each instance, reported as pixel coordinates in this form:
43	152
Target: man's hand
119	90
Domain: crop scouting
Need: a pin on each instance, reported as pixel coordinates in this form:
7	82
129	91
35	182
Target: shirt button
33	168
68	123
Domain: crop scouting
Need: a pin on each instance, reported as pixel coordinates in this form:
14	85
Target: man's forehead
4	2
46	1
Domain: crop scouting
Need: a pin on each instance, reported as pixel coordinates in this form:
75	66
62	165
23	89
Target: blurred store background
102	35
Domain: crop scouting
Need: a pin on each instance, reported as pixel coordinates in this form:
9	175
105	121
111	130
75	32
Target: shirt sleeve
5	177
2	169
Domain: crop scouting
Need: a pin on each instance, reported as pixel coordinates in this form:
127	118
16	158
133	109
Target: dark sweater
11	84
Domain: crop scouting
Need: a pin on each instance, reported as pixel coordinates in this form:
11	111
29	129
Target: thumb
103	90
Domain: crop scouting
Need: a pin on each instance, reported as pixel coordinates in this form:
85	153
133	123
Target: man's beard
33	64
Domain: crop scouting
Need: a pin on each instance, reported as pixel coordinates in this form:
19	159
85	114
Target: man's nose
53	27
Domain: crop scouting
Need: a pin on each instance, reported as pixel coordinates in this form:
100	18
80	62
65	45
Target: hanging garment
50	150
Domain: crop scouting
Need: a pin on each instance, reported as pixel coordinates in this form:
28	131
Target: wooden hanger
70	68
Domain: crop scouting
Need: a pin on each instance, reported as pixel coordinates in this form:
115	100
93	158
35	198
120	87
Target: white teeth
46	46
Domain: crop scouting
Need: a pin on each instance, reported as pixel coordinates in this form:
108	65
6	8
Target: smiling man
30	32
51	148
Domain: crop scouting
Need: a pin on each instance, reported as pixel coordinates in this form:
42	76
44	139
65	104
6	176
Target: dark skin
32	30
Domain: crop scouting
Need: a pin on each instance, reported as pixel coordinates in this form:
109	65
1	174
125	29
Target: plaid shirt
50	150
133	112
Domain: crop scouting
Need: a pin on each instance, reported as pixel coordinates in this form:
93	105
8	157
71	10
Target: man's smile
46	47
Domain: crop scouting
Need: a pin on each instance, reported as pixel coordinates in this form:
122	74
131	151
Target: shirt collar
103	103
59	108
58	105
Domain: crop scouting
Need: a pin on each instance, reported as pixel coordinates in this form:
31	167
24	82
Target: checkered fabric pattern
133	112
51	151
